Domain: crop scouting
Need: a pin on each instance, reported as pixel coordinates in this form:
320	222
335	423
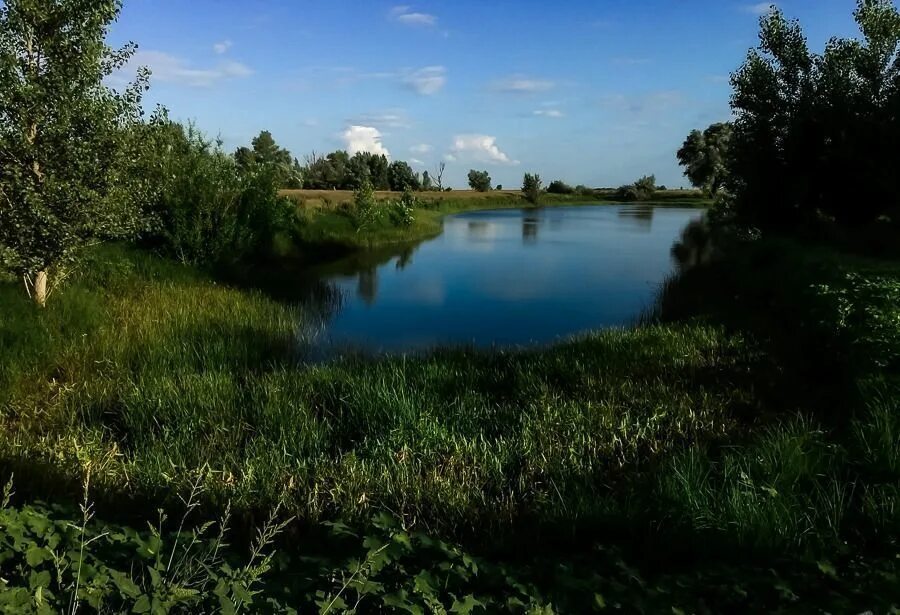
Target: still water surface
504	278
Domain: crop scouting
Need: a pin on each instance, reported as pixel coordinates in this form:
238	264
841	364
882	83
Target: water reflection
504	277
367	285
530	223
640	215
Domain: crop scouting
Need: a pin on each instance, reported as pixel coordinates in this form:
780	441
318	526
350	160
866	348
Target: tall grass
145	371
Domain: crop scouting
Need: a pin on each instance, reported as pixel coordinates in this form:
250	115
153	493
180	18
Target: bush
201	209
401	210
643	189
560	187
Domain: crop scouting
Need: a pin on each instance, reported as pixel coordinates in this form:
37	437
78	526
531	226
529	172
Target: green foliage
479	181
264	152
54	564
560	187
63	132
704	156
531	188
803	119
366	210
401	177
644	189
203	209
401	210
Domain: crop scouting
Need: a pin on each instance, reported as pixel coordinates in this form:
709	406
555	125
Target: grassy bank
324	225
754	427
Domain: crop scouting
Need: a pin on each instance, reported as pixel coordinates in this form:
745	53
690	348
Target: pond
508	277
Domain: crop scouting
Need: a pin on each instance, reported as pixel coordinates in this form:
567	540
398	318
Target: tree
704	157
63	134
401	177
531	186
426	182
479	180
560	187
817	133
265	152
439	175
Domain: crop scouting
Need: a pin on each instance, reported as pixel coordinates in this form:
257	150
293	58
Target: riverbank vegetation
737	449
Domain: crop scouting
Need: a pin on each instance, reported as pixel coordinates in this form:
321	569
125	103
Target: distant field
330	198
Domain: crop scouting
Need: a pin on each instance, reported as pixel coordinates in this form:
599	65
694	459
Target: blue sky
597	92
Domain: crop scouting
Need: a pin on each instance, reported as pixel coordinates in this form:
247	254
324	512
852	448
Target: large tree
62	133
479	180
401	177
817	133
704	157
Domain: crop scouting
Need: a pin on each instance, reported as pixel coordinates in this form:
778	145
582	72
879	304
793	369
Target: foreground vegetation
717	425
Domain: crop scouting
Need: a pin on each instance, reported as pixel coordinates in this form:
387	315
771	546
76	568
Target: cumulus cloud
422	148
427	81
482	148
760	8
167	68
406	15
519	84
222	47
364	139
554	113
417	162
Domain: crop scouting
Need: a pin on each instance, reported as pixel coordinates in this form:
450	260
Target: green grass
756	420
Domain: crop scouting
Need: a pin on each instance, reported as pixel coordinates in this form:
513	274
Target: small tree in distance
479	180
531	186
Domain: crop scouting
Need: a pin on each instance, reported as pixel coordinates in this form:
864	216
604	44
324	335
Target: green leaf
35	556
466	605
827	568
142	605
599	601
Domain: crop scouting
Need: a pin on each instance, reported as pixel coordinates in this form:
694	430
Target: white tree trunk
40	288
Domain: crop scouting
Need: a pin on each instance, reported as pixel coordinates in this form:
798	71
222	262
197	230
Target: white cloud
482	148
427	81
417	162
409	17
222	47
422	148
760	8
554	113
519	84
171	69
364	139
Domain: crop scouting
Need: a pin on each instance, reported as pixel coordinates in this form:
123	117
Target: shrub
201	209
401	210
560	187
642	190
